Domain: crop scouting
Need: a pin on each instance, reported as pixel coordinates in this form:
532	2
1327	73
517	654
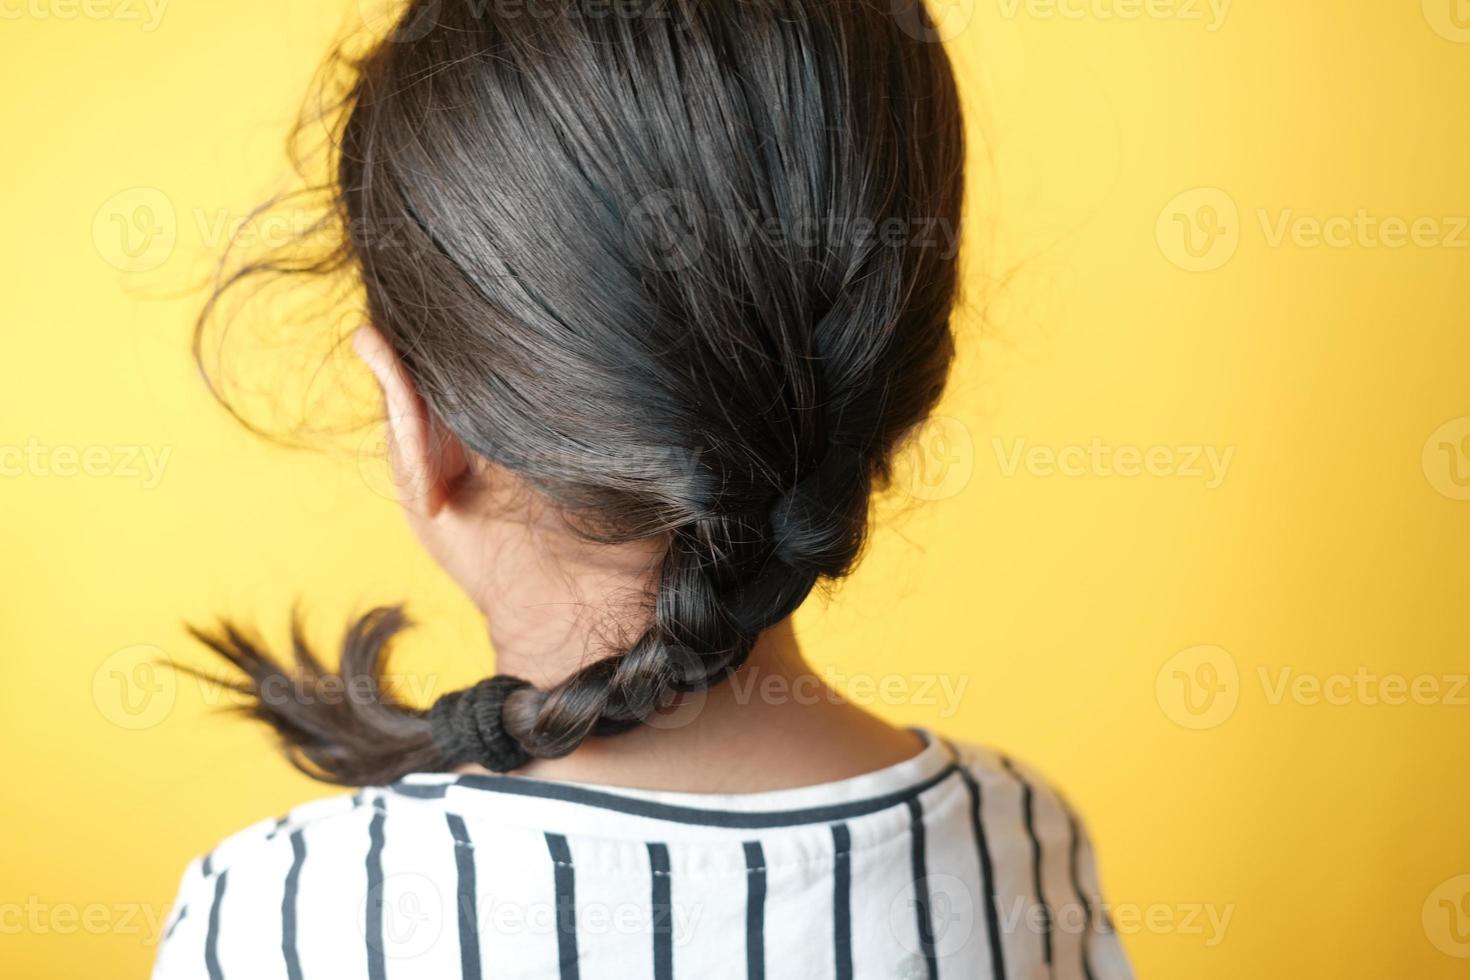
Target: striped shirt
956	863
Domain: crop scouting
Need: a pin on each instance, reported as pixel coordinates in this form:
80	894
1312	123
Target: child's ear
427	459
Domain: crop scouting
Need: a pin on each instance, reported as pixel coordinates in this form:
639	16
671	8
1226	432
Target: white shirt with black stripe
956	863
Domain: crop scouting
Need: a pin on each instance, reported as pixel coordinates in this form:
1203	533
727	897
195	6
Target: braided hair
674	265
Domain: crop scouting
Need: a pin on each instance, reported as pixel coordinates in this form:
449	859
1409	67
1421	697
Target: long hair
671	263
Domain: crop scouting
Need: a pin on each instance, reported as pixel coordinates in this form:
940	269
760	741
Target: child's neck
773	725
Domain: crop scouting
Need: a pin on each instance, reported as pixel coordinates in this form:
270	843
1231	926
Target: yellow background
1334	547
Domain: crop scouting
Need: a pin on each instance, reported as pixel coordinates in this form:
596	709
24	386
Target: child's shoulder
1021	805
245	846
251	865
990	769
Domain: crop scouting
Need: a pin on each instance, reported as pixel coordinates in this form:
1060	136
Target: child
649	322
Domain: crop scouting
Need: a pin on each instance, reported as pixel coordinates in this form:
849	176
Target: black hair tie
467	726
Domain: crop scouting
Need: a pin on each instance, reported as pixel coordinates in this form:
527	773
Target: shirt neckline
822	802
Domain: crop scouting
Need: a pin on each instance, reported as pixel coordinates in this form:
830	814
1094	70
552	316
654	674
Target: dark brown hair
671	263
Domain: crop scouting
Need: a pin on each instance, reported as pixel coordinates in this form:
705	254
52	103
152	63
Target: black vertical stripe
921	888
1028	805
211	938
842	900
288	907
755	911
377	969
987	876
663	912
1076	833
566	905
183	911
469	917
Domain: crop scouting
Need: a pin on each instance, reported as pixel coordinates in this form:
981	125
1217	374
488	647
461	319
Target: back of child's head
670	264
